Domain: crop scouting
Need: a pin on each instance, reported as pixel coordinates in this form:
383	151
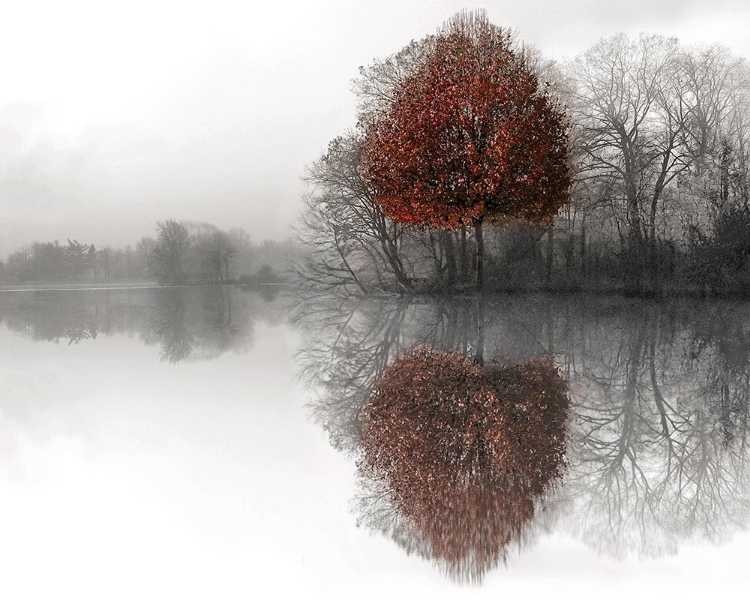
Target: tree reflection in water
660	453
461	452
660	395
198	323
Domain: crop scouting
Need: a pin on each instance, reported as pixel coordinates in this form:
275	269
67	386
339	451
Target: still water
210	442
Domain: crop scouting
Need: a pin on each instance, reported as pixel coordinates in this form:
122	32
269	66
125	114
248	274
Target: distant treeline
180	253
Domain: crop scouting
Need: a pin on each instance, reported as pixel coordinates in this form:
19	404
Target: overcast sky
116	115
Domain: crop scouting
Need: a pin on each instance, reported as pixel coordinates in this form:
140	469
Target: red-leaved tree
469	137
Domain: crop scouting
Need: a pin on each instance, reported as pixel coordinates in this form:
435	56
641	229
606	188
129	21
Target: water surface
205	442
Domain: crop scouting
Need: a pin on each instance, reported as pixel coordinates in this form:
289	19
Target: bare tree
168	256
377	83
350	242
216	253
649	115
631	113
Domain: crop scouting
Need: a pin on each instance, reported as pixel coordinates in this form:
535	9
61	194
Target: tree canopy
469	135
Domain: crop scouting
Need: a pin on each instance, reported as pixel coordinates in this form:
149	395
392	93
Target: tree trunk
389	244
550	250
634	263
479	354
653	266
634	259
464	256
726	151
450	257
583	250
480	253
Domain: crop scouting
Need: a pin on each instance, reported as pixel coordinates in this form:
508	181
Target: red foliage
465	450
469	135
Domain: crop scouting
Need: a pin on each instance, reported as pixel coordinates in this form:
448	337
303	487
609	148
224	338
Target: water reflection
186	323
456	454
661	436
657	451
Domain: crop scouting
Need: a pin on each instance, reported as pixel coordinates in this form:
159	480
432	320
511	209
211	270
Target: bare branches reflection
187	324
660	451
658	443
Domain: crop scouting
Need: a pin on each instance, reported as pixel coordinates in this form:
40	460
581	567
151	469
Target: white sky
113	117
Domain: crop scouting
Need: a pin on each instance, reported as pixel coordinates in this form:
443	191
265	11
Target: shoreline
122	286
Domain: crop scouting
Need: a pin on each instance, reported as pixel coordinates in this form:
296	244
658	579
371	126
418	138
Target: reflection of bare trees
51	316
349	346
198	326
349	341
661	393
168	325
186	323
652	463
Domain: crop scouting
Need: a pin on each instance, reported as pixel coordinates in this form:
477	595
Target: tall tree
469	136
76	253
168	255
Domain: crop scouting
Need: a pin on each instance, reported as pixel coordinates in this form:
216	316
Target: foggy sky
112	118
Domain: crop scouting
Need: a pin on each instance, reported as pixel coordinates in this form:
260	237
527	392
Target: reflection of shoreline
81	289
659	432
187	322
137	286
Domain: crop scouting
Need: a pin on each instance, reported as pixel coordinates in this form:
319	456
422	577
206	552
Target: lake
213	442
